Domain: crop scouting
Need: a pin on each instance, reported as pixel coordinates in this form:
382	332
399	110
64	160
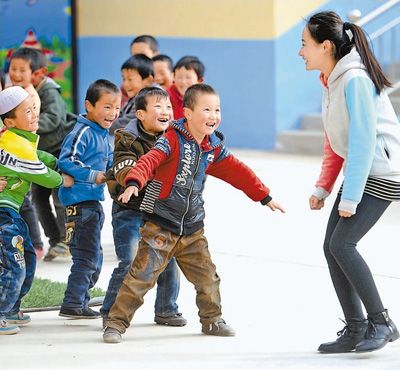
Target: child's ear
200	80
43	71
139	114
88	106
40	72
187	112
150	79
8	122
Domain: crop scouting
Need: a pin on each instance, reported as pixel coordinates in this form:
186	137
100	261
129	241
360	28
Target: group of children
87	161
166	143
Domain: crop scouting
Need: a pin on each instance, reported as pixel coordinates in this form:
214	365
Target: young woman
362	136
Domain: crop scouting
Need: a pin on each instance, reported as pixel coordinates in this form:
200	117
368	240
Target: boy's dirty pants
157	247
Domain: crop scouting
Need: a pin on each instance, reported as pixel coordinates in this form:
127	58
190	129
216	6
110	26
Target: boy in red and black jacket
173	210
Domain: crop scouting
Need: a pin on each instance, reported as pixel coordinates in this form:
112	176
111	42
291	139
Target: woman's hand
345	214
315	203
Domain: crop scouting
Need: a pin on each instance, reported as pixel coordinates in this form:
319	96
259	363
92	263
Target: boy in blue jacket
86	155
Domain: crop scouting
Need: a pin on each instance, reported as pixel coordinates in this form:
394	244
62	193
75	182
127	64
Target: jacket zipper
190	191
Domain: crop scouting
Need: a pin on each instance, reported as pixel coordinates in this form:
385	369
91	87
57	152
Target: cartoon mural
44	25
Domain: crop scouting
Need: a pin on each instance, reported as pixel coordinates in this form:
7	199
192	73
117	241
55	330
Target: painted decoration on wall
44	25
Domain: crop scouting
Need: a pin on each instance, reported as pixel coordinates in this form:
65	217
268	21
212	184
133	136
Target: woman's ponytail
367	57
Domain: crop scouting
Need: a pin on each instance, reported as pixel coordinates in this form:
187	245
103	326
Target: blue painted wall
248	114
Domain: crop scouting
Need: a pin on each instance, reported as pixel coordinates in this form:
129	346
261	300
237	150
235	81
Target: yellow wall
289	12
231	19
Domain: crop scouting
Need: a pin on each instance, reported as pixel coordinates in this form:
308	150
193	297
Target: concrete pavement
276	291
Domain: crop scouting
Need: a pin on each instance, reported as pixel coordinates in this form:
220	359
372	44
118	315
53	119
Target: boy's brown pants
156	248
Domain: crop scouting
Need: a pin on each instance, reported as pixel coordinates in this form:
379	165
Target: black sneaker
79	313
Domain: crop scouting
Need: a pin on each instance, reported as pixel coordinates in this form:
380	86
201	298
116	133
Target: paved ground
275	288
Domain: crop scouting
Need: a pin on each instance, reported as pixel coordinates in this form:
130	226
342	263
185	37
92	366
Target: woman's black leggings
350	274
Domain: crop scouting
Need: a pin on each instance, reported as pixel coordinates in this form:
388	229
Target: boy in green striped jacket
21	164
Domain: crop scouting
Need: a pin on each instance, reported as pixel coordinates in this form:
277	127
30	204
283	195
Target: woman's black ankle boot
349	337
381	330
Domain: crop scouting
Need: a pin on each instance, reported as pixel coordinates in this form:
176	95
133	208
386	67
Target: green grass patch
47	293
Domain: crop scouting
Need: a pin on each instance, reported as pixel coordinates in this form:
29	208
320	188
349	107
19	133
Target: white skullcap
11	97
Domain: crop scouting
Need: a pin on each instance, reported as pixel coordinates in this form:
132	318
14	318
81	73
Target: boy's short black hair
142	95
98	88
149	40
191	62
141	63
10	114
164	58
34	57
191	94
2	79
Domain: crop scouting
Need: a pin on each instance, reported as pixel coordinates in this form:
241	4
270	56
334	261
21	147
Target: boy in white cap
21	163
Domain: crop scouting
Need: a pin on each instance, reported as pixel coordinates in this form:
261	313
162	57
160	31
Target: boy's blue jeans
84	222
126	231
17	261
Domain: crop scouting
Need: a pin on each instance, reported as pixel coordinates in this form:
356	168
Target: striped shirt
381	188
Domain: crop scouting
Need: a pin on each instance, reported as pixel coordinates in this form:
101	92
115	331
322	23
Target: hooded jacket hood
350	61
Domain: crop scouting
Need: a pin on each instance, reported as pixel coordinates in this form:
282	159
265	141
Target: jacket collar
94	125
135	128
30	136
209	143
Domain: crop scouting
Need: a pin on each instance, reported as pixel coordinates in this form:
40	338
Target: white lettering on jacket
186	160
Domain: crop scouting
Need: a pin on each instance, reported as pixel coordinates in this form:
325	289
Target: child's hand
3	183
100	178
127	194
68	180
274	206
316	203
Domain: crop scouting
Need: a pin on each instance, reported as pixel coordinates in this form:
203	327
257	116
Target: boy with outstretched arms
173	210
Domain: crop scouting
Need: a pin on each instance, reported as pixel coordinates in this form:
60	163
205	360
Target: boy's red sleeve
144	168
240	176
330	169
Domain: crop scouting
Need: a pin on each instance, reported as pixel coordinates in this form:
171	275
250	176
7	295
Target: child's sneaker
18	319
111	335
8	329
218	328
172	320
59	250
79	313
